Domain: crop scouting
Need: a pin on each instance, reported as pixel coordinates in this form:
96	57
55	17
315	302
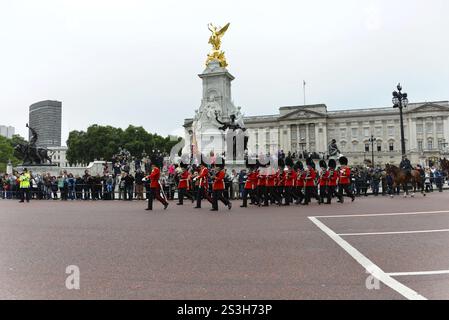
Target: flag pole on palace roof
304	90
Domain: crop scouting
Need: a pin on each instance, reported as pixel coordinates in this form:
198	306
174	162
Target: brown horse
402	179
444	164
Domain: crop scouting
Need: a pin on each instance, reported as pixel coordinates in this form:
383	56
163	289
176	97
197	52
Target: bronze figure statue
30	153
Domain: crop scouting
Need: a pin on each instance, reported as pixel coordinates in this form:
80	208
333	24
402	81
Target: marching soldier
290	180
323	181
203	185
300	182
155	187
218	187
184	185
270	186
250	186
344	180
261	186
280	180
332	180
309	181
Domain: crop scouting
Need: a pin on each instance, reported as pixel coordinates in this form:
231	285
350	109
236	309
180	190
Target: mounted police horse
402	178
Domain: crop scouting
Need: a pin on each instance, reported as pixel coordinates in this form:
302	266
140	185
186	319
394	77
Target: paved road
125	252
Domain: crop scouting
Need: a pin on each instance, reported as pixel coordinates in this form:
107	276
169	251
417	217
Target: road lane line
368	264
422	273
390	233
381	214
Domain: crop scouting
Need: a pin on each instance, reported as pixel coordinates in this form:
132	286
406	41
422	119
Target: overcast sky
136	61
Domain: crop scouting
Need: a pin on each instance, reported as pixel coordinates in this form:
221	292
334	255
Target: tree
6	153
103	142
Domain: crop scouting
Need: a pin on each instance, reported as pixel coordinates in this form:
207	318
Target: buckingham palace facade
310	128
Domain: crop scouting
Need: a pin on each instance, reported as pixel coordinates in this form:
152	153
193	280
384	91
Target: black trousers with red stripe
218	195
155	193
202	194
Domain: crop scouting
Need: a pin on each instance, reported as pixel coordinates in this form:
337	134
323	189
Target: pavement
375	248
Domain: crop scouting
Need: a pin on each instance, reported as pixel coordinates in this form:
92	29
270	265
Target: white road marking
422	273
390	233
368	264
381	214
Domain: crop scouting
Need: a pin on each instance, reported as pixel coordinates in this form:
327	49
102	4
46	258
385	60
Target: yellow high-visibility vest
25	180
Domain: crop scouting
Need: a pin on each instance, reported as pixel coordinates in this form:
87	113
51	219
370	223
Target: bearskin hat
183	165
289	162
309	162
332	164
323	164
299	165
343	161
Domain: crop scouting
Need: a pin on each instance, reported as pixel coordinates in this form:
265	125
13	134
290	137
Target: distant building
59	156
7	131
46	119
309	129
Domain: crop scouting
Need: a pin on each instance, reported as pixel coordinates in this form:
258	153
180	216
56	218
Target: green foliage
102	142
7	152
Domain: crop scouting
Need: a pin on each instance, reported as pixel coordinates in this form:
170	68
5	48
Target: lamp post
400	100
372	139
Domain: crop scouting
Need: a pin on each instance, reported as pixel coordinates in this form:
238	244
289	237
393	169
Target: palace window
343	133
354	132
419	128
366	147
379	147
429	127
366	132
440	128
379	131
430	144
391	146
440	144
391	131
420	146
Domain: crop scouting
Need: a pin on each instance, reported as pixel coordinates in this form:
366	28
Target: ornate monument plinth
217	127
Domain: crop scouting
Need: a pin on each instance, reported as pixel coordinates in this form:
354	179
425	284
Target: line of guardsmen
291	183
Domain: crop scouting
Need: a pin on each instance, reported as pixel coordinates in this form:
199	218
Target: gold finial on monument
215	41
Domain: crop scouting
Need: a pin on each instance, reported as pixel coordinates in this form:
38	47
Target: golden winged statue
215	41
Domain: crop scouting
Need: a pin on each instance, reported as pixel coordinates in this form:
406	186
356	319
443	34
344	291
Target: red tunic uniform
310	178
202	178
333	177
271	178
218	184
345	175
290	178
324	178
184	180
280	178
251	181
154	178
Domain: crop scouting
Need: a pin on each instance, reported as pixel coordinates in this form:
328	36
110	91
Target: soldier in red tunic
290	180
218	186
203	186
184	185
309	181
155	187
300	182
250	186
345	180
333	175
323	181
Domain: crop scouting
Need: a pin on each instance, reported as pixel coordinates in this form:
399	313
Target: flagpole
304	90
